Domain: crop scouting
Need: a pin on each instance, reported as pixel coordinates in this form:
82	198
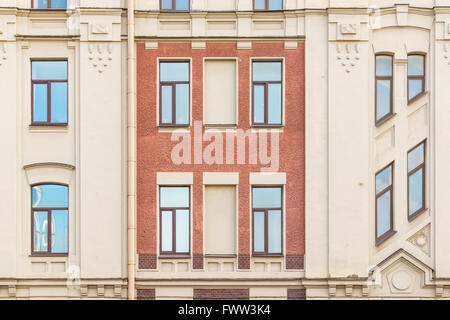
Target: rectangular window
267	93
220	92
267	220
50	220
174	5
416	76
416	181
268	4
50	4
384	204
384	88
174	93
174	220
220	220
49	92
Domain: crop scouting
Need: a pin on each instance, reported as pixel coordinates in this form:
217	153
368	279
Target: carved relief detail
422	240
347	55
100	55
3	53
447	52
349	28
99	28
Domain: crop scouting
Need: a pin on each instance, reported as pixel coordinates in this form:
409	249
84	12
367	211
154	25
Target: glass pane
182	5
416	65
182	239
49	70
267	198
59	4
50	196
384	179
274	101
166	4
40	223
415	192
174	197
60	231
40	4
166	231
266	71
258	97
384	66
166	104
274	224
40	103
174	71
416	157
415	88
258	232
260	4
383	98
275	4
59	102
384	214
182	104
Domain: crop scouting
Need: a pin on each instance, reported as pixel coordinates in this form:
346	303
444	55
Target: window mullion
266	103
49	103
174	230
49	232
266	231
174	103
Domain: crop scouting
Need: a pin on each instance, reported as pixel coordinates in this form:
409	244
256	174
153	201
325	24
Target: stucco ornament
100	55
421	240
447	52
348	55
3	53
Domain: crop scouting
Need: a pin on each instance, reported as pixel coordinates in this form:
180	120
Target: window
267	221
50	219
50	4
416	76
220	219
174	220
384	88
268	4
174	93
220	92
267	93
384	204
178	5
416	181
49	92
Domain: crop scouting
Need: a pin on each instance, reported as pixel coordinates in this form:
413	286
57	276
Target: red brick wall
146	294
296	294
221	294
154	149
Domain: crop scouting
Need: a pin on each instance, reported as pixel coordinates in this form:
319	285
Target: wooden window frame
388	234
391	113
266	96
49	6
267	6
422	166
174	253
49	211
173	84
422	77
49	97
266	252
174	6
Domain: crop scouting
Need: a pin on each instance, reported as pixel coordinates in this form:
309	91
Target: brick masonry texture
146	294
154	148
147	261
244	261
295	261
296	294
221	294
197	261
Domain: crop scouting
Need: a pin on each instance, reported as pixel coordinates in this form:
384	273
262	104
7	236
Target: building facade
240	149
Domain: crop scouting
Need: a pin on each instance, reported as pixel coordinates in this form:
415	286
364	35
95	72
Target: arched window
50	219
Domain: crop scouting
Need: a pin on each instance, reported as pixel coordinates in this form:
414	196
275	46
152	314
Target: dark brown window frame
388	234
391	113
174	92
422	166
417	78
174	6
49	6
48	253
267	6
266	225
174	253
49	100
266	96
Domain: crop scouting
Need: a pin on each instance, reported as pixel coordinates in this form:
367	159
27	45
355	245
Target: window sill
37	124
385	237
417	97
416	214
384	120
268	255
175	256
276	126
49	9
49	255
219	256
